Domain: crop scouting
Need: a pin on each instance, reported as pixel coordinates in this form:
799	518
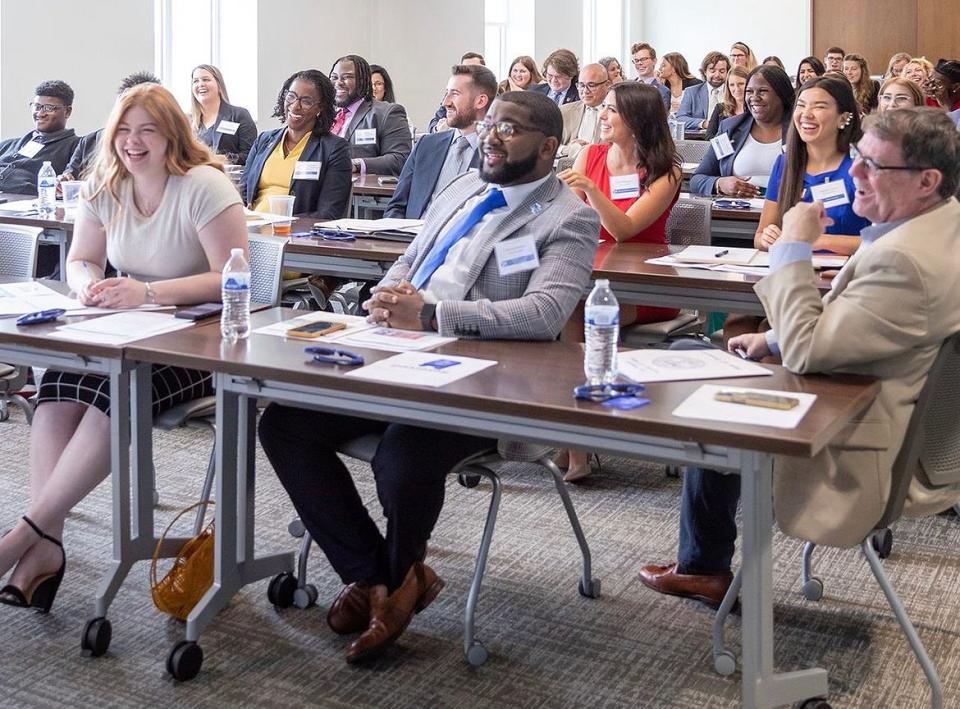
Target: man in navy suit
561	70
440	157
698	101
645	62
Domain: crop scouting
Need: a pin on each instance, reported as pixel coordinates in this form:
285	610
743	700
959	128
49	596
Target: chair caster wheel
592	591
673	471
469	481
813	589
4	412
882	542
815	703
477	654
297	528
725	663
305	597
281	589
185	660
96	637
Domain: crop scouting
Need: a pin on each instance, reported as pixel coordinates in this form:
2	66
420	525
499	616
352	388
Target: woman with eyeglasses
303	158
816	166
897	92
742	55
226	129
382	84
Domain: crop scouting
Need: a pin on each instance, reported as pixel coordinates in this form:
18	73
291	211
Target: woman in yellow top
303	158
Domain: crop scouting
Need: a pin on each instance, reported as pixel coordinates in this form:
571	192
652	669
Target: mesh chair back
18	250
931	447
692	150
689	223
266	262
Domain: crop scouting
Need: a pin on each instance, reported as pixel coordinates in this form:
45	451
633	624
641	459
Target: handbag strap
163	537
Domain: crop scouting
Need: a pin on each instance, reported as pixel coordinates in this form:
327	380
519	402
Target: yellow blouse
277	173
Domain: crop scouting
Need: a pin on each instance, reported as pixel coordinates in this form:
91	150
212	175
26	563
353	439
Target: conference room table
57	225
525	396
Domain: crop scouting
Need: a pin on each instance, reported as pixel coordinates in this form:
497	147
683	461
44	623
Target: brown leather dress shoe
708	589
350	611
391	614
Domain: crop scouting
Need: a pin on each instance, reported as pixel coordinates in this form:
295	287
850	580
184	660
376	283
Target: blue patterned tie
438	254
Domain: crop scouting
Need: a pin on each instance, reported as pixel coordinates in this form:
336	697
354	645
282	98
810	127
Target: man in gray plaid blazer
504	254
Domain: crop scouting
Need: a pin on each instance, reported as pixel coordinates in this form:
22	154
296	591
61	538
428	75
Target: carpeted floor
549	646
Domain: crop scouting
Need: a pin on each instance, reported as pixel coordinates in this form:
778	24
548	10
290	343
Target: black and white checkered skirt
171	386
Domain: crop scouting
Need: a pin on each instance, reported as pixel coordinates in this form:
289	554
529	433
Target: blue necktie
438	254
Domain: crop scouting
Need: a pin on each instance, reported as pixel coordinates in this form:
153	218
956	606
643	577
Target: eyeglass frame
591	85
45	107
872	166
287	101
890	98
483	127
642	60
599	393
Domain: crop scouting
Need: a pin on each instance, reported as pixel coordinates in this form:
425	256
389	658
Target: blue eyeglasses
329	355
334	235
606	392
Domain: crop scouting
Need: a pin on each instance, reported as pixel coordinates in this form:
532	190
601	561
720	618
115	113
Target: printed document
422	369
645	366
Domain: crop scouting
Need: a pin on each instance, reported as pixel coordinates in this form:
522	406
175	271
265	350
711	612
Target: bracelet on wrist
151	296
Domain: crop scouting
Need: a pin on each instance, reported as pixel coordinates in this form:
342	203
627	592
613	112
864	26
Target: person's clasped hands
395	306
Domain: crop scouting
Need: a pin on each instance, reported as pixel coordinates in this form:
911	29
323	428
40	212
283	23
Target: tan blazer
572	114
888	312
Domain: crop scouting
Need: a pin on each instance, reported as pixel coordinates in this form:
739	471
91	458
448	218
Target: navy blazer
393	146
18	173
324	198
238	143
693	106
419	177
710	169
571	96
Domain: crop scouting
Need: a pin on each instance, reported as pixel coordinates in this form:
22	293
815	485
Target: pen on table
742	352
721	254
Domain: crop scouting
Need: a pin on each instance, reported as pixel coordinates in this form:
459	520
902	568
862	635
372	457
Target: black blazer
18	174
419	176
572	93
240	141
324	198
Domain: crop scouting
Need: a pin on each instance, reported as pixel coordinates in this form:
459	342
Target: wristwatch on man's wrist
427	313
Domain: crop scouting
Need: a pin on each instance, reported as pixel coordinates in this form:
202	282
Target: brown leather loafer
350	610
391	614
707	589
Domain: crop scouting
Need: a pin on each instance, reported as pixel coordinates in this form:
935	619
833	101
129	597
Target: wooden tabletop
369	185
533	380
58	220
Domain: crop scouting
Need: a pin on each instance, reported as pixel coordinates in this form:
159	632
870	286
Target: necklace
148	204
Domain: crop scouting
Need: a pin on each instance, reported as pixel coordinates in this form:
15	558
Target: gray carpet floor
549	646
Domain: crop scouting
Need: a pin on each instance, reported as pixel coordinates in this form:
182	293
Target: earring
846	123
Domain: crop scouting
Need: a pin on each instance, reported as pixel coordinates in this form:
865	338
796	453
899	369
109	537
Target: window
218	32
508	33
602	30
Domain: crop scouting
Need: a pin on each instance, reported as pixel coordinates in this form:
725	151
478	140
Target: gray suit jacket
531	305
886	315
393	145
572	114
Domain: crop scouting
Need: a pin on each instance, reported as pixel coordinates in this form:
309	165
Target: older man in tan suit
890	308
581	119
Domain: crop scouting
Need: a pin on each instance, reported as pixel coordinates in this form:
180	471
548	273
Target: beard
508	171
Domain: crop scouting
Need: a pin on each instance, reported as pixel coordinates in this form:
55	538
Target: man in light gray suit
454	280
581	119
698	102
377	131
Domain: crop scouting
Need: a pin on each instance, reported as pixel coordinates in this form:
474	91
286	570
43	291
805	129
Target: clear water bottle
46	188
675	126
235	291
601	329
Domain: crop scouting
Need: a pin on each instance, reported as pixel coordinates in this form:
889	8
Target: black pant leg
708	527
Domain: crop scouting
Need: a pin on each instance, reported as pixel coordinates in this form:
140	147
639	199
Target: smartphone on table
199	312
315	329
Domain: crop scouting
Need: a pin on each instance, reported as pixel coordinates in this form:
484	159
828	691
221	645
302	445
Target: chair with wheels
931	454
287	590
18	259
693	150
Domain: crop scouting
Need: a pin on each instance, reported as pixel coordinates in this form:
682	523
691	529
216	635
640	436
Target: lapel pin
536	208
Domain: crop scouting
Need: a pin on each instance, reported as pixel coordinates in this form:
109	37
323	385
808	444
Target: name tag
306	170
624	186
228	127
516	255
722	147
30	149
365	136
832	194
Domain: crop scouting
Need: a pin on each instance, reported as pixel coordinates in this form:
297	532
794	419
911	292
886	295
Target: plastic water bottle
601	328
675	127
46	188
235	292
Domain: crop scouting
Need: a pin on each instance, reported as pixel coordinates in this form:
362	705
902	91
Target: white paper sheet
21	205
370	226
645	366
717	255
121	328
393	340
701	405
422	369
32	296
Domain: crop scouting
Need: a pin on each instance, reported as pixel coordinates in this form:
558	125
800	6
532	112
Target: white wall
559	24
90	44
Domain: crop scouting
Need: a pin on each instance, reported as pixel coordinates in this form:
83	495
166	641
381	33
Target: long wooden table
513	399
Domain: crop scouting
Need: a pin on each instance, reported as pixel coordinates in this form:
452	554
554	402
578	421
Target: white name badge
30	149
228	127
516	255
722	147
306	170
624	186
365	136
832	194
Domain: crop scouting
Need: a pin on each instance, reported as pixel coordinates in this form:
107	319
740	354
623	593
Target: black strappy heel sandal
43	589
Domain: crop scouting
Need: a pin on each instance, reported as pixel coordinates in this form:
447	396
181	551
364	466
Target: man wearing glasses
378	133
22	158
890	308
505	253
645	63
560	69
581	125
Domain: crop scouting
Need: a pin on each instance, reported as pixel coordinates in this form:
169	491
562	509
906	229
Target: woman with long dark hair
809	68
674	73
382	84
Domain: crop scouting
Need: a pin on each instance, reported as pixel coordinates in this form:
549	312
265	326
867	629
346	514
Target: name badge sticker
722	147
30	149
440	363
365	136
228	127
516	255
832	194
306	170
624	186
